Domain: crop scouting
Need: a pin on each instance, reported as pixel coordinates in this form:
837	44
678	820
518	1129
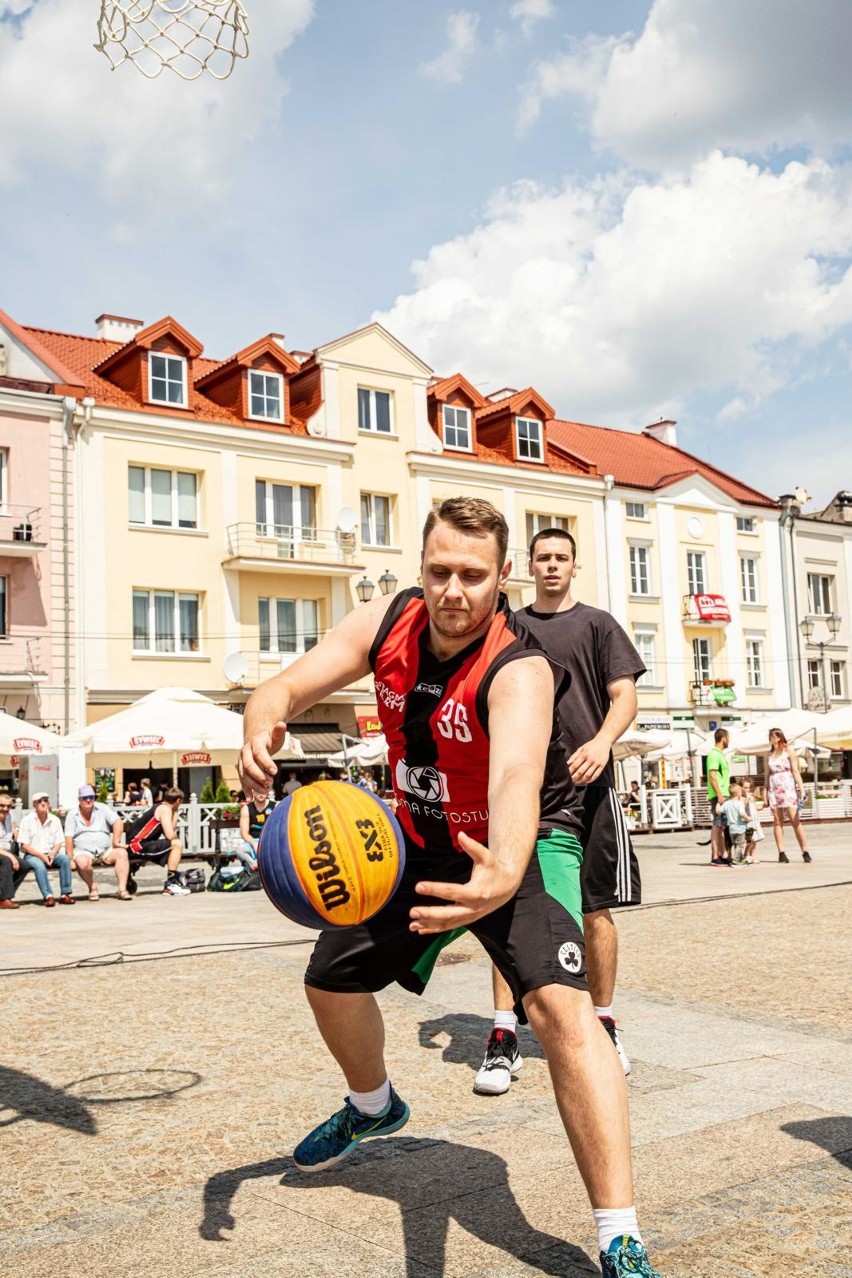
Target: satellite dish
347	520
235	667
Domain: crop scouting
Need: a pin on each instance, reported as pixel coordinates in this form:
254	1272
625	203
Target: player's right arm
340	658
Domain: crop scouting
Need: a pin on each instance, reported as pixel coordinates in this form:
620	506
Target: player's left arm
589	760
520	717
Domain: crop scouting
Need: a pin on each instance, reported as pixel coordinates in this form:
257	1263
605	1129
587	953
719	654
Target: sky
642	208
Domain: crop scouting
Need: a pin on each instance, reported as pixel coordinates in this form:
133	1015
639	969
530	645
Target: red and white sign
194	758
369	725
711	608
137	743
26	745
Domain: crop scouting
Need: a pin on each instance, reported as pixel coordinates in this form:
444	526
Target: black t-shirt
593	647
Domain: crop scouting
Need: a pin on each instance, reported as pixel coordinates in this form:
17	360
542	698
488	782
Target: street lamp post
387	583
807	626
365	588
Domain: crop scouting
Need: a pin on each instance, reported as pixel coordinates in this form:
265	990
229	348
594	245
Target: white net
187	36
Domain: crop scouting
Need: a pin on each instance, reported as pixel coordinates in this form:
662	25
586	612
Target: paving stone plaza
148	1106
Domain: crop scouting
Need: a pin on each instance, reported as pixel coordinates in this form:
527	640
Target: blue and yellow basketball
330	855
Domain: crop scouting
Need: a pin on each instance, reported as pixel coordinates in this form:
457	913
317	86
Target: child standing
737	819
754	828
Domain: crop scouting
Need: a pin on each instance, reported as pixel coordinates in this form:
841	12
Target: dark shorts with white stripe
609	877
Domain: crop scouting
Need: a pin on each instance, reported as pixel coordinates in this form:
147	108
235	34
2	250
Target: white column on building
677	675
93	537
773	594
609	535
230	515
729	562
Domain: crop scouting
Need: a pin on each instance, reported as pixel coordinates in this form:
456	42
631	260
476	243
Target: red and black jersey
146	829
435	718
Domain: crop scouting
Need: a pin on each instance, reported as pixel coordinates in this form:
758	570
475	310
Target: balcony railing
20	655
20	530
283	544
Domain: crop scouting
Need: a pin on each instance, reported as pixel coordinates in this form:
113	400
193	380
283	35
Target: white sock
371	1102
612	1222
506	1021
604	1011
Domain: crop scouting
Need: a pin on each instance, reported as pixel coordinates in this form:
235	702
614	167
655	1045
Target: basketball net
187	36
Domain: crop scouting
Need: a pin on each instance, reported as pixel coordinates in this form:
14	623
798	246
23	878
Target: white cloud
580	71
529	12
619	301
149	146
450	66
705	73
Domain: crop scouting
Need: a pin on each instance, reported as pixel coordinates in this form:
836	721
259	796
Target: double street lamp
807	626
365	587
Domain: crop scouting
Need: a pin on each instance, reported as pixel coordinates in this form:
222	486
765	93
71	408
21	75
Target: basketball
330	855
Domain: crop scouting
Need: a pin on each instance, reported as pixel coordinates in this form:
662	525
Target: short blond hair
470	515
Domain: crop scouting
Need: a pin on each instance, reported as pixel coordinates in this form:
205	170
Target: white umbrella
367	753
755	738
683	743
171	722
835	728
633	743
19	737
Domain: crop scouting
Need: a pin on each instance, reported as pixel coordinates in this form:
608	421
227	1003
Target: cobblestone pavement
148	1106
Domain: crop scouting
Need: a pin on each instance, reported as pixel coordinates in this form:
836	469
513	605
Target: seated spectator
93	837
42	843
155	838
132	795
9	863
146	794
253	816
634	798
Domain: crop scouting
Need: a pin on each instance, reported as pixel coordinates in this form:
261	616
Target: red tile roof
82	355
637	460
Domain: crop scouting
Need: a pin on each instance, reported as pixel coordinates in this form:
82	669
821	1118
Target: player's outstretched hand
491	885
255	764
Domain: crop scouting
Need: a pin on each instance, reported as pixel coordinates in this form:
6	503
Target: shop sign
653	723
26	745
369	725
711	608
149	739
194	758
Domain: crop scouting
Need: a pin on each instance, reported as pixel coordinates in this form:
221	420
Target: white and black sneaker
612	1029
502	1060
174	887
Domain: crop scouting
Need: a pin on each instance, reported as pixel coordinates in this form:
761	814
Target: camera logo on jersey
422	780
570	956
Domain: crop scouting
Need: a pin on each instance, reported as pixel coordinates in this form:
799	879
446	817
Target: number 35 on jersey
452	721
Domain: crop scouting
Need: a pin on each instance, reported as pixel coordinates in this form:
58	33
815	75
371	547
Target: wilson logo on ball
330	855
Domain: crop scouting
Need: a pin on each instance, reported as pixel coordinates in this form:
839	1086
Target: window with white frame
537	523
755	670
375	411
745	523
375	520
813	676
285	510
529	435
166	621
820	592
640	570
288	625
636	510
4	607
837	671
4	476
645	643
162	498
748	579
167	379
456	427
701	660
266	395
696	572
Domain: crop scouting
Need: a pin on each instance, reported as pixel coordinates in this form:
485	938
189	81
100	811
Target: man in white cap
93	837
41	841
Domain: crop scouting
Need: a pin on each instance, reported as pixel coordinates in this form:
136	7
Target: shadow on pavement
433	1182
33	1099
828	1133
468	1035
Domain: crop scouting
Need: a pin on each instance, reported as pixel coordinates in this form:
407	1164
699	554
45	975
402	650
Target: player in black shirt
596	708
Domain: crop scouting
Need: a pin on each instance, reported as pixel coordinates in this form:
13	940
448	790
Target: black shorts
156	850
536	939
610	874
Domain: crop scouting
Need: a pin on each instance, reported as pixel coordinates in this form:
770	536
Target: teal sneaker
339	1135
627	1256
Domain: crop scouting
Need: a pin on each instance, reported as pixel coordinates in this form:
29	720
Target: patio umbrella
793	723
633	743
367	753
19	737
170	724
835	729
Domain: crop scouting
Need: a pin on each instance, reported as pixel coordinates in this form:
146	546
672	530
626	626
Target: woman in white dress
786	792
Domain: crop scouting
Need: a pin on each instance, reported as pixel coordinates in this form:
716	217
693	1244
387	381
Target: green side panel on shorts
560	856
425	965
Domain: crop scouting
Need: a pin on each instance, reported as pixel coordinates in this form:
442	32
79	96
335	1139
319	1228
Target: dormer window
528	434
167	379
456	428
266	396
